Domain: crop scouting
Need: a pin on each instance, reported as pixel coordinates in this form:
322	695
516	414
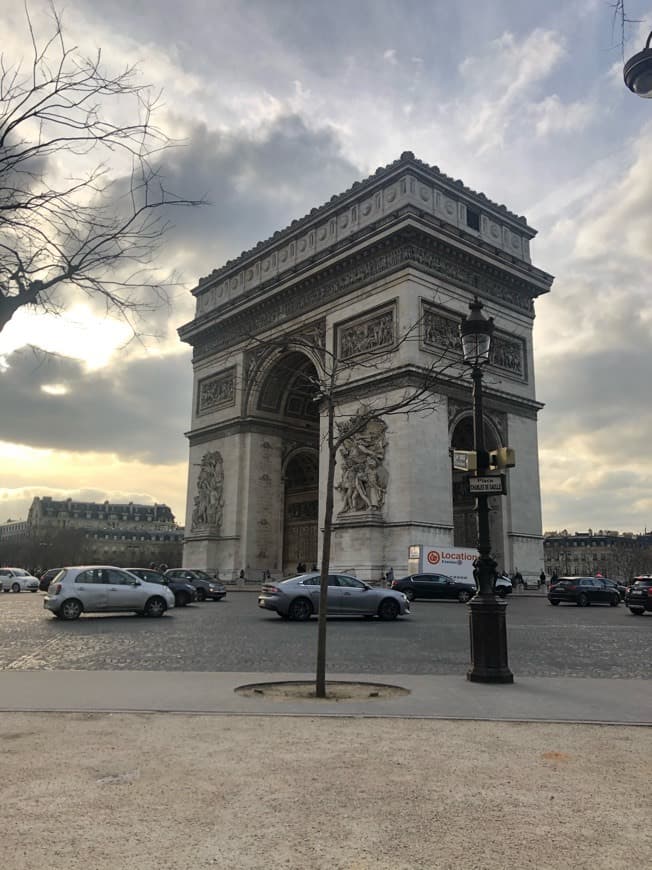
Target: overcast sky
284	103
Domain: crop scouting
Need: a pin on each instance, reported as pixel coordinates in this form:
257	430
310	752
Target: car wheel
201	595
15	587
464	597
409	594
583	600
615	601
300	610
555	603
637	611
155	606
70	609
388	609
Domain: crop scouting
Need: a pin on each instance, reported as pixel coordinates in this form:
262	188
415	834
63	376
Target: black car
183	592
46	578
639	595
434	586
620	588
205	585
584	591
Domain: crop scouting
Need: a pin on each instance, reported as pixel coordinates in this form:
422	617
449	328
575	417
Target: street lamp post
487	613
638	72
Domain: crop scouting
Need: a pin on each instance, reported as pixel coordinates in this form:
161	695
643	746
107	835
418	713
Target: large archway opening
465	524
289	392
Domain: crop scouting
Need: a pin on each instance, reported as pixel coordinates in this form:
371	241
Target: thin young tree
418	394
83	198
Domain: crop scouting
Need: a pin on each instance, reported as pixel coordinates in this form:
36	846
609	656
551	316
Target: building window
473	219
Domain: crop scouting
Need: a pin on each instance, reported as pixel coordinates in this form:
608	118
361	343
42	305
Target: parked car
639	595
184	592
298	598
17	580
583	591
206	586
104	588
46	578
434	586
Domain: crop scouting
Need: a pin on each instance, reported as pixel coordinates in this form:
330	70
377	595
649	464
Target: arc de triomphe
374	283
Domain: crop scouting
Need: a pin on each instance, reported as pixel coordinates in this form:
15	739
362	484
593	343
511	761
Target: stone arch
282	398
301	508
278	381
464	515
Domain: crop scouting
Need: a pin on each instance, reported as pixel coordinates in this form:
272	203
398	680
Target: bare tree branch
97	232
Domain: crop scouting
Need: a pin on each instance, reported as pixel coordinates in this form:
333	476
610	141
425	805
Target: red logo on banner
434	558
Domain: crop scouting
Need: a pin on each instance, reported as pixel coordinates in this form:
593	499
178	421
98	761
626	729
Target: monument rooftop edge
406	181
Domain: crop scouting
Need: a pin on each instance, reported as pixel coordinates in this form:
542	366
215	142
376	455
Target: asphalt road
235	635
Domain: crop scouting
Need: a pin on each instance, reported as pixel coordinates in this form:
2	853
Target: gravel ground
100	791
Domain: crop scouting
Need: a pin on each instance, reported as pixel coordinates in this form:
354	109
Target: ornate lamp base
488	641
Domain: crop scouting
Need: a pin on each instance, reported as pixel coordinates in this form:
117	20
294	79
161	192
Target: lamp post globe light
487	624
638	72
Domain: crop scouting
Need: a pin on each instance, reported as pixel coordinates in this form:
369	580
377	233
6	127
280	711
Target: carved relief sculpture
217	391
442	332
372	333
363	484
209	500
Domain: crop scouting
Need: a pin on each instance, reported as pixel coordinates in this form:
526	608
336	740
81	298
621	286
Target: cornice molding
405	181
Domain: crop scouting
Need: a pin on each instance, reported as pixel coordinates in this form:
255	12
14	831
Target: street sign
465	460
495	485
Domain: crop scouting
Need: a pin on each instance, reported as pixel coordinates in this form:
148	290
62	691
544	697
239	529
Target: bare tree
416	393
620	22
83	200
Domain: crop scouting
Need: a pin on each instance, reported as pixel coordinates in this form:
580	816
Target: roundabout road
235	635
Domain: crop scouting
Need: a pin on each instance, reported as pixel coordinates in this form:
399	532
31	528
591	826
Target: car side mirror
135	582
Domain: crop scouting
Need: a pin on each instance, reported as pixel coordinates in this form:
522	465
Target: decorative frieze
433	257
441	333
216	391
372	332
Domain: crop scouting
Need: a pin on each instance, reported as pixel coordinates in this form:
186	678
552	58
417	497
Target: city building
357	305
619	555
72	532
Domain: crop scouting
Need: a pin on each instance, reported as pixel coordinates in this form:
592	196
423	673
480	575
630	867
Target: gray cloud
136	409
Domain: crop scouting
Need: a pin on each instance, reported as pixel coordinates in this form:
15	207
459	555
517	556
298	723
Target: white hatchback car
17	580
104	588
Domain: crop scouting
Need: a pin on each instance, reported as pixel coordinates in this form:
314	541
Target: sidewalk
401	784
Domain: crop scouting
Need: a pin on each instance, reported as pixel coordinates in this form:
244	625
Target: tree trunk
320	683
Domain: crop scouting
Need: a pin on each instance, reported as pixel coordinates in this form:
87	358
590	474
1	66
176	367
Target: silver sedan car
298	598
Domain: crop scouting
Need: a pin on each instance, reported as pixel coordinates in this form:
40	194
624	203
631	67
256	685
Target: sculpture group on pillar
363	484
209	501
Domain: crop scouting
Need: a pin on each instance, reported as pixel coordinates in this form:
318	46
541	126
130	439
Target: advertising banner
453	562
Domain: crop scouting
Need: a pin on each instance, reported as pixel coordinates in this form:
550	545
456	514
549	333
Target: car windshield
19	572
202	575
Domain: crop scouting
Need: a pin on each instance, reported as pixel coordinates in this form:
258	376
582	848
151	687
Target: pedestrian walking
389	576
542	580
518	580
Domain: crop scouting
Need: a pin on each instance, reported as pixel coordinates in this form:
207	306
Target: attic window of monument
473	219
